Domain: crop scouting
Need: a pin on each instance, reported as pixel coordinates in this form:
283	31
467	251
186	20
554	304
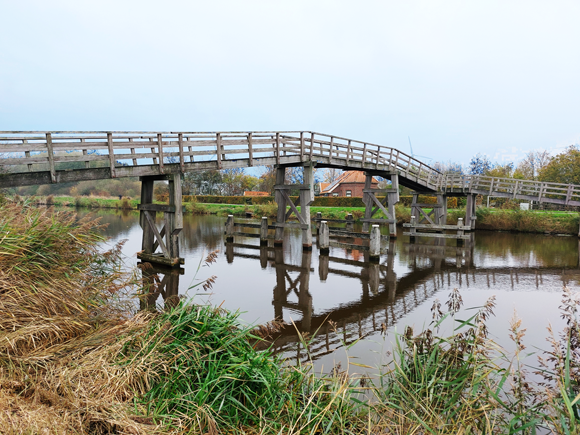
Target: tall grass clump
63	327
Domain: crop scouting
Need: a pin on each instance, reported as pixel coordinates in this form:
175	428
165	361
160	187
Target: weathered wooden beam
50	157
157	207
437	227
158	236
437	235
160	259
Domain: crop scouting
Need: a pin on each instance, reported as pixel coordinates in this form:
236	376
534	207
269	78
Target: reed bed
76	358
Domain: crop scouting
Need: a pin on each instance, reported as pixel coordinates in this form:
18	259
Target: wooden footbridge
30	158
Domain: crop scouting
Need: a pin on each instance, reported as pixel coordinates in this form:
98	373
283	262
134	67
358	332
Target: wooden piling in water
375	244
324	237
230	228
264	231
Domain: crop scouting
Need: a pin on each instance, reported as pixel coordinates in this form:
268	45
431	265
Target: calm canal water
525	272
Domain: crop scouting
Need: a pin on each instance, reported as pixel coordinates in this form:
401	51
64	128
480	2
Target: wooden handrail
43	151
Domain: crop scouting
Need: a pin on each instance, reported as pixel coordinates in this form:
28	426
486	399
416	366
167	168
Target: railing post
50	157
218	148
277	148
230	228
323	238
375	244
160	150
264	231
181	158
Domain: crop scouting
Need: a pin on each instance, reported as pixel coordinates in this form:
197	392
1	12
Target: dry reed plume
63	329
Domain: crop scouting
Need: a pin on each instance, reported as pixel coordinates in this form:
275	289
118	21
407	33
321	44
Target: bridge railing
565	194
345	151
57	151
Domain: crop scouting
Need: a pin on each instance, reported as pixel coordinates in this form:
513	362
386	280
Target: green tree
563	168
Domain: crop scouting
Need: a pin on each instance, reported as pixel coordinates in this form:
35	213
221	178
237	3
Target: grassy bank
76	358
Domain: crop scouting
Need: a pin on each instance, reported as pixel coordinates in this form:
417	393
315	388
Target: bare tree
331	175
448	167
533	163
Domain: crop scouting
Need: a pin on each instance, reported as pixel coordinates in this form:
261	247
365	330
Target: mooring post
460	231
375	244
264	231
349	222
230	228
281	201
319	218
307	198
323	238
412	229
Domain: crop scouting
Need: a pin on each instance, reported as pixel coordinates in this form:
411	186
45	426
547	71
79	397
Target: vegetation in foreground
75	358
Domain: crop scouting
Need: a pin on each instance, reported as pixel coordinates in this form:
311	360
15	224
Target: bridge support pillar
387	205
166	239
305	198
437	215
470	216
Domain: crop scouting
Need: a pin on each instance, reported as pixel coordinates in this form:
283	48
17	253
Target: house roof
347	177
254	193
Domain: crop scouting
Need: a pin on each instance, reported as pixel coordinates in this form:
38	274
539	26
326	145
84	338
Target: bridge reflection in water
386	296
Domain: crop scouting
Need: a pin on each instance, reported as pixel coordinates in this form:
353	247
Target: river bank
533	221
76	357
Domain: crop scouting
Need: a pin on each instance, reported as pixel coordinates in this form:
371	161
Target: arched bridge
46	157
29	158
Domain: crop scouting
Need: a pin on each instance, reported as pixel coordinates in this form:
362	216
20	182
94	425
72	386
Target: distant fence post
460	231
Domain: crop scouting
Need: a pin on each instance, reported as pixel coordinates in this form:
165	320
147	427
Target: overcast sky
458	77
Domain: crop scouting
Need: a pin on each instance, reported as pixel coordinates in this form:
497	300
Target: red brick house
350	183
